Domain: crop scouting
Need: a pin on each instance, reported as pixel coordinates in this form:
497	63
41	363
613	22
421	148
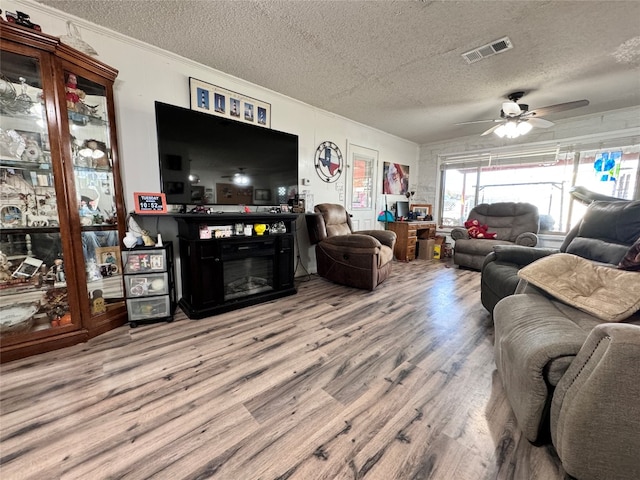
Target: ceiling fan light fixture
524	128
501	131
513	129
516	118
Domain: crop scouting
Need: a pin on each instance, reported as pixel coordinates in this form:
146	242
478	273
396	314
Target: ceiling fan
516	119
239	178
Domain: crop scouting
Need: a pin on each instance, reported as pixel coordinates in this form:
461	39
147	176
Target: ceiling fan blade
491	130
560	107
540	123
511	109
479	121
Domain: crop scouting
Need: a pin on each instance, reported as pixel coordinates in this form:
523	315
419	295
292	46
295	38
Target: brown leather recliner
360	259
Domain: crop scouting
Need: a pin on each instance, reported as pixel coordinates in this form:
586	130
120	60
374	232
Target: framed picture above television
215	100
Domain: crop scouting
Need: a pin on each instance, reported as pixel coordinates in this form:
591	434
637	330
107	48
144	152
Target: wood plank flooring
332	383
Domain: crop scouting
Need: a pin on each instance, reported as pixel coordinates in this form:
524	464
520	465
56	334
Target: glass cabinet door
33	276
62	213
93	177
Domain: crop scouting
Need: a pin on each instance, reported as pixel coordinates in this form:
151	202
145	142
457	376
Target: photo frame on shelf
208	98
109	256
27	268
300	207
33	146
30	137
421	209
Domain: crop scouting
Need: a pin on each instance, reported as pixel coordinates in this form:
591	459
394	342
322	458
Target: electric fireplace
222	274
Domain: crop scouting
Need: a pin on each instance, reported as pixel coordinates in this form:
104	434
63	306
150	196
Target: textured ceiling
397	65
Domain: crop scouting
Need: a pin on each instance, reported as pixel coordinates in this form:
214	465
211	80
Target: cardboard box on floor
425	249
438	249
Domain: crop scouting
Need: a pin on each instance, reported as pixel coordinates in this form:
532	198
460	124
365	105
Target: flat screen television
402	210
211	160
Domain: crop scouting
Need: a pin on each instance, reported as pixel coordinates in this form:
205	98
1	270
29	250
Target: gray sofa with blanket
604	235
567	342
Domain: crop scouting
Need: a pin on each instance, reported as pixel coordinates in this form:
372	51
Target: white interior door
362	186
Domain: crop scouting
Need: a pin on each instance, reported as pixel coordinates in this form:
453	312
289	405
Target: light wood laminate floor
331	383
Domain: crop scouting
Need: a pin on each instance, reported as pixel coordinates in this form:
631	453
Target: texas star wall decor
329	162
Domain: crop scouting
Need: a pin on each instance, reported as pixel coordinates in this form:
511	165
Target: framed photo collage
215	100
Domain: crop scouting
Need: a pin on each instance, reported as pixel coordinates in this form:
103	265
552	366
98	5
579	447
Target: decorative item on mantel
74	39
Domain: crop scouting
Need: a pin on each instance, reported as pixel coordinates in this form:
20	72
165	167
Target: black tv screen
211	160
402	210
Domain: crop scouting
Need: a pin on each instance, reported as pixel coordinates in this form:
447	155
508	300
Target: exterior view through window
542	179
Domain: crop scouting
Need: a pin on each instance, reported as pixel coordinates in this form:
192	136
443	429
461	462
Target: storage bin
146	308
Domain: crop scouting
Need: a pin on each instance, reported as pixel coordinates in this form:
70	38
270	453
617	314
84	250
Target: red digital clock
150	203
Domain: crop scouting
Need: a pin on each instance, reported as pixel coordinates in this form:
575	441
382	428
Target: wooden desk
408	234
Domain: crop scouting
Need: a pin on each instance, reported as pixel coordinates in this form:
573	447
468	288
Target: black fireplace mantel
189	223
210	266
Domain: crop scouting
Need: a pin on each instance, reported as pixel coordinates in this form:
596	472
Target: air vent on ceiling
488	50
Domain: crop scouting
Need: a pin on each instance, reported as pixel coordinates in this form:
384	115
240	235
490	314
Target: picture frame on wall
212	99
395	178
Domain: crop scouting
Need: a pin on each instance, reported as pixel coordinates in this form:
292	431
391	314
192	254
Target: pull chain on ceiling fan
516	119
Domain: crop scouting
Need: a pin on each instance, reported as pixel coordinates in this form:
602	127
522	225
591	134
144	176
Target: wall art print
395	179
215	100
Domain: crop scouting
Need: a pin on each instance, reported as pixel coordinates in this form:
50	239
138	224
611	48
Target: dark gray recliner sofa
604	235
574	377
514	223
567	372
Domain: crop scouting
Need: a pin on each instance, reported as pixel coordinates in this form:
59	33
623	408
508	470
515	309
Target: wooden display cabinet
61	208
